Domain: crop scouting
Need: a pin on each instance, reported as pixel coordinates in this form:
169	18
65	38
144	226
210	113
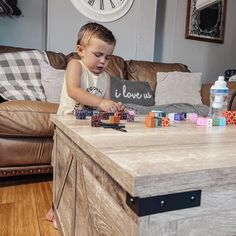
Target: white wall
27	30
171	46
135	32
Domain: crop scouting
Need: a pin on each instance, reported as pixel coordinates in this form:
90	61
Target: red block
165	122
230	117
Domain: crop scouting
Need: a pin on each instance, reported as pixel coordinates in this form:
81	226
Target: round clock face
103	10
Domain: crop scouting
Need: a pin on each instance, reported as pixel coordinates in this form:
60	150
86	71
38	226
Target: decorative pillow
178	87
135	92
20	75
52	81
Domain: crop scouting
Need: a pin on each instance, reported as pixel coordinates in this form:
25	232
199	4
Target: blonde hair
96	30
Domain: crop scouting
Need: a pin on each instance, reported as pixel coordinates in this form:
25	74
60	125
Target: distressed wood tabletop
151	161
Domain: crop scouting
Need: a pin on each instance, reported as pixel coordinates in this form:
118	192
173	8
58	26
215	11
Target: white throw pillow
52	81
178	87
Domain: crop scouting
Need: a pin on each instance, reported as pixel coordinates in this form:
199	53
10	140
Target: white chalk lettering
131	95
147	95
116	94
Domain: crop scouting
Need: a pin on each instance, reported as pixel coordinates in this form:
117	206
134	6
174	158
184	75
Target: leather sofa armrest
26	118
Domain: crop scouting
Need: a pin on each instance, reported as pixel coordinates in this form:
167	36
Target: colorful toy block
150	122
230	117
222	121
130	115
202	121
165	122
114	119
215	122
158	121
179	116
171	116
157	113
81	115
89	112
95	121
192	117
153	122
209	122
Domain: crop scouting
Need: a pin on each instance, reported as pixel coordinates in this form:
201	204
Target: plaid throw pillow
20	77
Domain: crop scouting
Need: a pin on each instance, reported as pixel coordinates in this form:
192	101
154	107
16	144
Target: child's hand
117	107
111	106
106	105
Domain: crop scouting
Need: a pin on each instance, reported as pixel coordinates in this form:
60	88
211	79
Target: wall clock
103	10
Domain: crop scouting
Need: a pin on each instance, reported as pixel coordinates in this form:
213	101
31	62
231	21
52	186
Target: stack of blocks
177	116
113	118
207	121
157	119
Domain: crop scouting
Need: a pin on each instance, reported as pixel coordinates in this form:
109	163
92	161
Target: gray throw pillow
135	92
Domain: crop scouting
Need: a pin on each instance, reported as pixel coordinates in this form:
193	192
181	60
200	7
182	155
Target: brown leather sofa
25	128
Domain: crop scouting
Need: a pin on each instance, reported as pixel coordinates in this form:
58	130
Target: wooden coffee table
179	180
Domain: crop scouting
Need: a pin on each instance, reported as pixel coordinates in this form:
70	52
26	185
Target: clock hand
91	2
112	4
102	4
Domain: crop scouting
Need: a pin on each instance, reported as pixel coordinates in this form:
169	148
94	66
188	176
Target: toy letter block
80	114
192	117
202	121
95	121
165	122
179	116
158	113
230	117
89	112
114	119
209	122
222	121
171	116
150	122
215	122
130	115
158	121
151	114
122	115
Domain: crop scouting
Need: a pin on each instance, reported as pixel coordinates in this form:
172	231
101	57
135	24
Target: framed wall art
206	20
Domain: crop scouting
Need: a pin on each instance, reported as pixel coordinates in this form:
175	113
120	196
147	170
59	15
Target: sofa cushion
117	67
178	87
57	59
52	81
26	118
146	71
20	75
135	92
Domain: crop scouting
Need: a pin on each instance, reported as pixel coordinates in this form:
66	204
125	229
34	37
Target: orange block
150	122
114	119
151	114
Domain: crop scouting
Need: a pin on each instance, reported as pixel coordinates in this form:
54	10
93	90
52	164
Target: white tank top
98	85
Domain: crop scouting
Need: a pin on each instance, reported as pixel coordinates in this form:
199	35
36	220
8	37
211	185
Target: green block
215	122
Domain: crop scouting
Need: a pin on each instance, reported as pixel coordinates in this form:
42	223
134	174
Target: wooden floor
24	201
